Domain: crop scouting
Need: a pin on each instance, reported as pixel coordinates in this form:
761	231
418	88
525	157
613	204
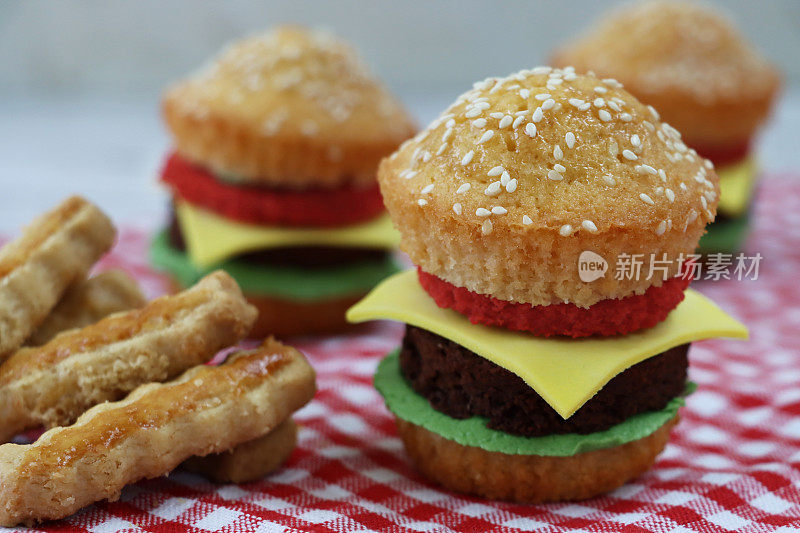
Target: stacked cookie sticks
518	378
127	396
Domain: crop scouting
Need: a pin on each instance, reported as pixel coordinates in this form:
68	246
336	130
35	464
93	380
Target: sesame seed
662	175
548	104
463	188
422	201
442	148
558	154
488	134
559	168
468	157
569	138
410	174
604	115
645	169
542	96
530	129
482	212
646	199
670	195
520	113
457	208
662	227
496	171
486	227
565	230
427	189
479	122
555	176
600	90
496	114
626	117
511	186
505	178
609	180
584	106
636	140
704	202
627	154
505	122
708	164
692	216
599	102
649	125
538	115
517	121
499	210
493	189
614	106
481	103
525	93
472	113
588	225
554	81
527	220
576	102
684	187
450	123
653	112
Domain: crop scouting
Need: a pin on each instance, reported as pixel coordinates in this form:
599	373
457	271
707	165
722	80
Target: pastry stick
58	248
53	384
249	461
88	301
158	426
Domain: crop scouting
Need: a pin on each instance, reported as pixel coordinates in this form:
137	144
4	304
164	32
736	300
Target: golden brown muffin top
297	83
547	149
673	46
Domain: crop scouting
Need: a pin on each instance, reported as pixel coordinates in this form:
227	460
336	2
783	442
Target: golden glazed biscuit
529	478
88	301
57	248
292	108
249	461
688	61
525	173
157	427
53	384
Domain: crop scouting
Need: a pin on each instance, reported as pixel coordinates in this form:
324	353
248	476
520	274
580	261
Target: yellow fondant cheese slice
566	373
211	239
736	187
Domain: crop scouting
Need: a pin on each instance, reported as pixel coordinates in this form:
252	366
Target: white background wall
80	79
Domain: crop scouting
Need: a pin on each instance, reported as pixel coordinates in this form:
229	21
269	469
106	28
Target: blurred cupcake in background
273	177
703	77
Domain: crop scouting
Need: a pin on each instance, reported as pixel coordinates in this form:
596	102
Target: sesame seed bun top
522	173
683	58
299	89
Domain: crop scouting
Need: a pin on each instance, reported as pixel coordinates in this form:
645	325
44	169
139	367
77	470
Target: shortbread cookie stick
58	248
158	426
88	301
53	384
249	461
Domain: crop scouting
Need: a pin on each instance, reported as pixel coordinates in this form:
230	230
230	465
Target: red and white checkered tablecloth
732	463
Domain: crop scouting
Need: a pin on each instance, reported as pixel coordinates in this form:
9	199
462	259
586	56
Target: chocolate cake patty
308	257
462	384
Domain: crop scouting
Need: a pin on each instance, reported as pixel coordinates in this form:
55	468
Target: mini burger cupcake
694	66
534	366
277	143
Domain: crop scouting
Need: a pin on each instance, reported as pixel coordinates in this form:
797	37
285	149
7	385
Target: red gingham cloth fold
732	463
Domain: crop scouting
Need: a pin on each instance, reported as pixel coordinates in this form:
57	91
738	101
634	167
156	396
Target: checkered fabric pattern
732	463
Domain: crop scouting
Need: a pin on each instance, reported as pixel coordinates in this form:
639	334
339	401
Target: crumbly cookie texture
688	60
293	107
58	248
249	461
53	384
157	427
88	301
504	191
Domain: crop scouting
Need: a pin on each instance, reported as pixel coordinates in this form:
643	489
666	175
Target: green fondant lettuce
725	236
404	402
282	282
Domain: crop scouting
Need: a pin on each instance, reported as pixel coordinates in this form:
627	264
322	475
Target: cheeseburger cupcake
534	368
277	143
704	78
